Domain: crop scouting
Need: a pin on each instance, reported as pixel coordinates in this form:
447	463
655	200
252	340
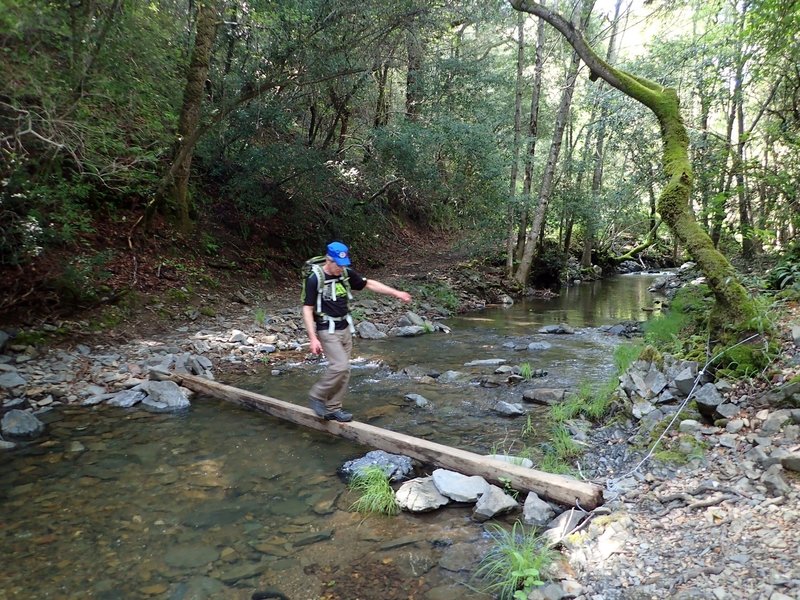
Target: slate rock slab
708	399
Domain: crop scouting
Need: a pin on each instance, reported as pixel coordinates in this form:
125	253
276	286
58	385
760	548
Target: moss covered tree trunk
175	184
733	304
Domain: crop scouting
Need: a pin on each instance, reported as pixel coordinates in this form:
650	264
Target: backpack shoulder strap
316	269
345	277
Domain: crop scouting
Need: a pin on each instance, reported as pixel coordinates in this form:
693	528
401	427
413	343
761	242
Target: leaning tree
733	307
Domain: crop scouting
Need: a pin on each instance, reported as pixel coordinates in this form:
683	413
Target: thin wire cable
611	483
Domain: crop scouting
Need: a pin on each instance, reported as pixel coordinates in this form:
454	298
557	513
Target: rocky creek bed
722	525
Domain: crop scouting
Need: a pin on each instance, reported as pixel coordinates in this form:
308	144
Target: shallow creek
219	502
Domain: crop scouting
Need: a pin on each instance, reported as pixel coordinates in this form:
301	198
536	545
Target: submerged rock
21	424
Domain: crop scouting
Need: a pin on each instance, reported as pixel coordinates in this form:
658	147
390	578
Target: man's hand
404	296
316	347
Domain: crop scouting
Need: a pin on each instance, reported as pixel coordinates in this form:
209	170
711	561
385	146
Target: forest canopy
281	125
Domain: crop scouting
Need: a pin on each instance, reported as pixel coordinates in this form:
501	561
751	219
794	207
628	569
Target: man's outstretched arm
381	288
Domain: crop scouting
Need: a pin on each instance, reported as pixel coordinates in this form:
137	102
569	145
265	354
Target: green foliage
358	313
438	294
679	450
529	428
178	295
684	327
377	496
514	565
786	274
453	166
744	361
80	283
551	463
86	135
209	244
260	316
30	337
506	483
568	409
563	443
625	355
593	404
36	215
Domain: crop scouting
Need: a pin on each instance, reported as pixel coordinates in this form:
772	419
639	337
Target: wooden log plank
559	488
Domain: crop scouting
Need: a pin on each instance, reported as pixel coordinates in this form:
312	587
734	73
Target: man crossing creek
326	316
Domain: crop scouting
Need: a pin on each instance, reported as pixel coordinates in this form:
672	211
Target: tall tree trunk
340	146
548	177
177	178
533	134
382	104
599	153
589	214
733	304
702	158
724	185
90	25
745	226
415	54
512	194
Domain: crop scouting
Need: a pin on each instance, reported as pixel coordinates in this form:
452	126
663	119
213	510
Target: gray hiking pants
332	387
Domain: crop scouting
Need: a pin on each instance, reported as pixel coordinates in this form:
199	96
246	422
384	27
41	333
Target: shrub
786	274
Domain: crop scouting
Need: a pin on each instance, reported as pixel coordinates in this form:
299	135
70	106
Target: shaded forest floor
112	283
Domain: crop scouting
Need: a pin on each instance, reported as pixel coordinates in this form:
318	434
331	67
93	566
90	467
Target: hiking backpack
314	266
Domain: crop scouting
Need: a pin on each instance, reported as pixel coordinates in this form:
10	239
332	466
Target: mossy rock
29	337
652	355
745	360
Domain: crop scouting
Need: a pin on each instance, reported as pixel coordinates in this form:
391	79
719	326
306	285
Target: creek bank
634	550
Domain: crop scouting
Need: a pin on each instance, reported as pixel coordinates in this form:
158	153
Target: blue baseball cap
339	253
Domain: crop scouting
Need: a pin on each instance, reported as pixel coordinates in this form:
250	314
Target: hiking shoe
317	406
339	415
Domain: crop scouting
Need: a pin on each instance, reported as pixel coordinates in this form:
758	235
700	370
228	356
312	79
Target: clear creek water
219	502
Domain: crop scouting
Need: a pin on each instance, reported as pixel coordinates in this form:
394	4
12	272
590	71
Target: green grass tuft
526	371
513	566
377	496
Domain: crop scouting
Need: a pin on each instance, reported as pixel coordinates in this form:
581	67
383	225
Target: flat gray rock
492	502
544	396
11	379
459	487
420	495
